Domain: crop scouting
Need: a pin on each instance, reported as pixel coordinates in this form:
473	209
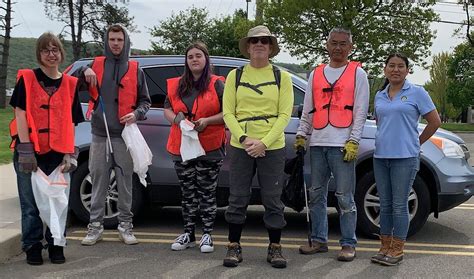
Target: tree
85	17
6	26
378	28
438	84
461	74
221	35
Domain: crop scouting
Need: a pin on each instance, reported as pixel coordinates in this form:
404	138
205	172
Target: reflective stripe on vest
49	118
333	103
127	94
206	105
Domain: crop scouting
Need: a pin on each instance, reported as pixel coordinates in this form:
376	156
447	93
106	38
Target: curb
10	244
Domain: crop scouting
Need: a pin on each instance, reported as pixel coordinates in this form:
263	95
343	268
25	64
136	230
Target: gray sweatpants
100	170
269	173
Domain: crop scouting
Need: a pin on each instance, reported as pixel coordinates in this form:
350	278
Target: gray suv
444	181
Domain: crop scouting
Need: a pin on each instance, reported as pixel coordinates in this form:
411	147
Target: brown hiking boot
386	241
274	256
316	247
234	255
394	256
347	254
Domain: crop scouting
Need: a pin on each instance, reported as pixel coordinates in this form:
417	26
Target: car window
222	70
156	81
298	101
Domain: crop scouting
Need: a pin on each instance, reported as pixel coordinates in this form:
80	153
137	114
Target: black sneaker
234	255
274	256
33	255
56	254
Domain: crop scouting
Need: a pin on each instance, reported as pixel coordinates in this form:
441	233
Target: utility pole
5	25
247	13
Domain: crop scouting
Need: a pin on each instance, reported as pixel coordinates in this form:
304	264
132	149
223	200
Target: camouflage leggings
198	181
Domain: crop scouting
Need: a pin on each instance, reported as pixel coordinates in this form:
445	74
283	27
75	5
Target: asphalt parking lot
443	248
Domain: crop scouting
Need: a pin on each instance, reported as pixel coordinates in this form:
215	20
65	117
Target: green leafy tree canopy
378	28
461	74
174	34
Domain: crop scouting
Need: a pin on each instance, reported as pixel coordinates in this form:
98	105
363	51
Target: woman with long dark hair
197	96
398	107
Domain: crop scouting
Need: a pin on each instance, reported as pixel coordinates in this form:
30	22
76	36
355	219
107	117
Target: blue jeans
394	179
31	223
324	161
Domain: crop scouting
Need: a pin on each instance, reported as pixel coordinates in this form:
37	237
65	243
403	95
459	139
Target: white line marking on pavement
93	269
233	272
315	264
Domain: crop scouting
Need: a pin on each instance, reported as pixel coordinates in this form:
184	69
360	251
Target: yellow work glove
351	148
300	143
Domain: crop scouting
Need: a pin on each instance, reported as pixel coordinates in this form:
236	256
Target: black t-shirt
18	100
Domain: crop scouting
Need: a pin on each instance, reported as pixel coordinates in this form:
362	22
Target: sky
31	21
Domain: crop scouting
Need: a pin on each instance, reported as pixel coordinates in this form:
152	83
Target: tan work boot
316	247
234	255
394	256
386	241
347	254
274	256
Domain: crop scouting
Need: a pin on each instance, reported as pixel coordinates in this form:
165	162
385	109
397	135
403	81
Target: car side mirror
297	111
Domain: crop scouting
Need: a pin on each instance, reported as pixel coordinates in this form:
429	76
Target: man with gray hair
334	112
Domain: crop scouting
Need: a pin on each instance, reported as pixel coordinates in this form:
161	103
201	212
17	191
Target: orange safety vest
206	105
334	103
49	118
127	95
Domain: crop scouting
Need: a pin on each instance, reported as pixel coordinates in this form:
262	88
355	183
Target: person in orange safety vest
196	96
46	108
334	113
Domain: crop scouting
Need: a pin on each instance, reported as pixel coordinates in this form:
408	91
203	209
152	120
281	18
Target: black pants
269	171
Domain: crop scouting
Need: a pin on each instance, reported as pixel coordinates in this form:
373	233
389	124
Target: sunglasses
263	40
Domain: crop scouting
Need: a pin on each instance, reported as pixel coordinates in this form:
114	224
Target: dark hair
399	55
115	28
186	82
43	43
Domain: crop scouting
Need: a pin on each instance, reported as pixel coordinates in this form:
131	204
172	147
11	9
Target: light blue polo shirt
397	121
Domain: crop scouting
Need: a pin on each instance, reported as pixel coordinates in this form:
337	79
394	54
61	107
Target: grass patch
458	127
6	115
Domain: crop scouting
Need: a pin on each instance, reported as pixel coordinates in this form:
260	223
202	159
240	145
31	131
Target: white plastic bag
190	145
139	150
52	195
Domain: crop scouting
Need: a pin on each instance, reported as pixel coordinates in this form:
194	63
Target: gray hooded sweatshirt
114	69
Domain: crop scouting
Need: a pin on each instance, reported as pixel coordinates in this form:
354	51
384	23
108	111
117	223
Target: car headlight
448	147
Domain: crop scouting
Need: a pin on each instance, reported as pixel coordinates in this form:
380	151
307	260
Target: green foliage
23	56
461	74
378	28
438	86
6	115
221	35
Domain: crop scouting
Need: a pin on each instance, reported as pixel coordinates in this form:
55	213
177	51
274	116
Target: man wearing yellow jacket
257	105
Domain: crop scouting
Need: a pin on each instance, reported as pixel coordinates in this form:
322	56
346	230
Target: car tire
80	198
367	203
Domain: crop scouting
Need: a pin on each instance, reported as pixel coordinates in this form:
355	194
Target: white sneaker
94	233
126	233
182	242
206	244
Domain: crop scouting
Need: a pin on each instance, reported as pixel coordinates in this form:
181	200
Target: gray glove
70	161
26	157
177	119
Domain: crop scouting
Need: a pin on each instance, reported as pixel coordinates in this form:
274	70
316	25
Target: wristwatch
242	138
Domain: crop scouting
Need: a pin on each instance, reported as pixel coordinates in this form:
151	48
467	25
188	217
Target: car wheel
368	205
81	196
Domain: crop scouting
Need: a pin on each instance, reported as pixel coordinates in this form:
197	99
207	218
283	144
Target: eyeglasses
263	40
46	51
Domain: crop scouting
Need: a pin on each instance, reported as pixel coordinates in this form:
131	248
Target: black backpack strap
238	76
277	74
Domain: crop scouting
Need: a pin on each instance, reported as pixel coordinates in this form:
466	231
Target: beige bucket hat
259	31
